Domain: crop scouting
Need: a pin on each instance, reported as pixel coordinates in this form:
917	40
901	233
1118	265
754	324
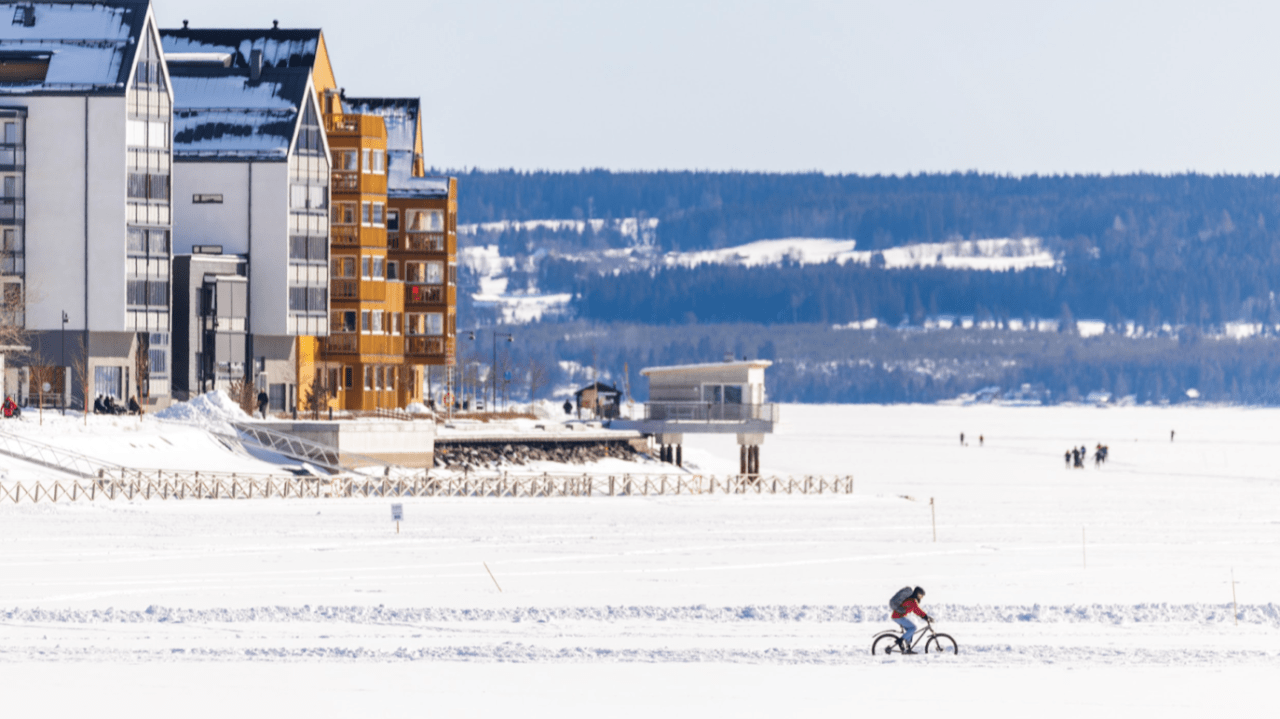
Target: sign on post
397	515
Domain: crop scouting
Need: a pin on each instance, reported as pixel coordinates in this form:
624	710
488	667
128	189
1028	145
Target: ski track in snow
1204	614
511	652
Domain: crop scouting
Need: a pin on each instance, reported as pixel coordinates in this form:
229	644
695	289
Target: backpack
901	596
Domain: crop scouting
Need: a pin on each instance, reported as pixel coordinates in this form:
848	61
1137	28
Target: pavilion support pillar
672	448
749	453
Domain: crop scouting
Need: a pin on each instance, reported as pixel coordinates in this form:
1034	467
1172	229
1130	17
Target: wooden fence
135	485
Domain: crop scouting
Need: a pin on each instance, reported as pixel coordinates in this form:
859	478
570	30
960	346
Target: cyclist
909	606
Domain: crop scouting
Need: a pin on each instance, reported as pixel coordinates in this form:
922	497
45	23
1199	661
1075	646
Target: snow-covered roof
747	364
399	113
402	184
280	48
90	45
221	112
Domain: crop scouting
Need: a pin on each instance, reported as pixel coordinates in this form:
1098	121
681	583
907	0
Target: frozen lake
743	605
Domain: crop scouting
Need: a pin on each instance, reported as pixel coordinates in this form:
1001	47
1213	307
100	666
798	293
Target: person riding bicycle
911	605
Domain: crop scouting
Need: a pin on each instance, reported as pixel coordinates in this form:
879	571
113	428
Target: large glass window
426	220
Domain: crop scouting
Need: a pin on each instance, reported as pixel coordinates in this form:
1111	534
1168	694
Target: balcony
427	347
346	182
423	242
341	345
426	294
344	290
348	235
355	125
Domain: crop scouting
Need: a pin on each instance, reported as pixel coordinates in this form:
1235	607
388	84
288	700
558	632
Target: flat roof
748	364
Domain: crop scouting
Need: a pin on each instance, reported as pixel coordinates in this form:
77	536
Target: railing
52	457
423	242
12	263
135	485
425	346
344	289
393	240
365	125
424	294
342	344
346	181
710	412
344	235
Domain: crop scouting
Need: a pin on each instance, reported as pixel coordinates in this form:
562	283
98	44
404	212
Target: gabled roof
222	113
280	48
90	46
402	116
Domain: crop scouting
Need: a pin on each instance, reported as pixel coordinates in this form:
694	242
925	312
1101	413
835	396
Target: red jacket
911	607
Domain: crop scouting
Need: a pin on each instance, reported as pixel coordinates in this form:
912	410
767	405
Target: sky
896	87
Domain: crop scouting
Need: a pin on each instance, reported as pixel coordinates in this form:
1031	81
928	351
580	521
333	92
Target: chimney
255	65
184	24
275	24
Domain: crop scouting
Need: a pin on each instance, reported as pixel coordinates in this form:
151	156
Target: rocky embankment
482	456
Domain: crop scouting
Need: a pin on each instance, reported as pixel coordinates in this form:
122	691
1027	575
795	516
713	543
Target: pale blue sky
866	87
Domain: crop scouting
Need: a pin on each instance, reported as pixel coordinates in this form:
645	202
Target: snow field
746	604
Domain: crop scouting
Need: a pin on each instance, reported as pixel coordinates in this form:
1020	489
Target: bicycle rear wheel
941	644
885	644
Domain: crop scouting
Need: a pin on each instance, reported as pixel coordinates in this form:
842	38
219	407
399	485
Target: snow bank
213	411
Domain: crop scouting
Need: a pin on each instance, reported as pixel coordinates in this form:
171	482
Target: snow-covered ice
1101	591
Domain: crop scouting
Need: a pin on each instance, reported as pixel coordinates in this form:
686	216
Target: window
108	381
344	213
368	377
426	220
317	249
378	271
347	377
393	220
365	321
722	394
379	162
157	134
10	133
297	248
393	270
137	185
435	273
344	267
317	299
424	323
343	321
11	187
158	242
378	377
344	160
206	199
12	240
366	211
136	133
298	299
317	197
143	186
365	263
379	211
395	323
137	241
377	322
298	197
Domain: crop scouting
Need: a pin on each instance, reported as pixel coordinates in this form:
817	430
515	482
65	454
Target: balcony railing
424	294
344	289
424	242
346	181
364	125
342	344
425	346
345	235
710	412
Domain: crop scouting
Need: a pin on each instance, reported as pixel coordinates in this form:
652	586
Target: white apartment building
85	157
251	179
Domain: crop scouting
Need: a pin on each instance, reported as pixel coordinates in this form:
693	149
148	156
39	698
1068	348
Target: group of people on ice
1076	456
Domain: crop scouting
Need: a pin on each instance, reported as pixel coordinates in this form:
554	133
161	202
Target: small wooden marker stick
933	513
495	579
1235	611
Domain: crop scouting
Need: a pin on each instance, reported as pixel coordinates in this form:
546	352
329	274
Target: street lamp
494	371
63	368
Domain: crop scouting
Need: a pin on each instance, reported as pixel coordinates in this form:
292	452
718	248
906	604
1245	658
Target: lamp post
494	371
63	363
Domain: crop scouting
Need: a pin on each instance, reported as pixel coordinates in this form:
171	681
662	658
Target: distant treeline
814	363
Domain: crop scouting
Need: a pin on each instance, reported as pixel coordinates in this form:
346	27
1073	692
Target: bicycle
889	641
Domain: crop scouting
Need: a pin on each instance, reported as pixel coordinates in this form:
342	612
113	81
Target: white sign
397	512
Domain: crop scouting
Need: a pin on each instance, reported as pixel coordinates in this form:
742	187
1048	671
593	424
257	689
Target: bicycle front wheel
884	644
941	644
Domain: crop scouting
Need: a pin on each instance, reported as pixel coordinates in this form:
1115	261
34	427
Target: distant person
1170	435
962	439
1066	457
11	409
134	408
980	440
911	605
1097	456
1076	460
99	405
568	407
263	401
